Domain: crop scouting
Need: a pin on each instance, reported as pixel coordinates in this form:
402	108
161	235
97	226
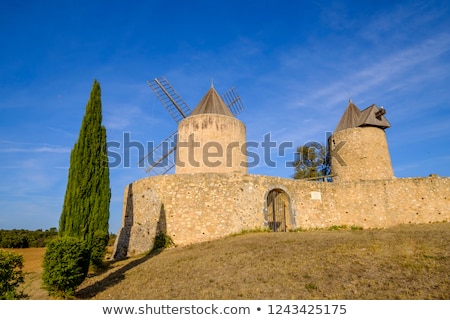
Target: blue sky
295	65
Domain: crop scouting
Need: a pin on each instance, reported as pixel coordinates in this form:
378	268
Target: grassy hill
404	262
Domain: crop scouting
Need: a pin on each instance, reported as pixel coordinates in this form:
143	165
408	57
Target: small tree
312	161
66	263
11	275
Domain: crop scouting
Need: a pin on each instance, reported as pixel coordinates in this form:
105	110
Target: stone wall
211	143
205	206
360	154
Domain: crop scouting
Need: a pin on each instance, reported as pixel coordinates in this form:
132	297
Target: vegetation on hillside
21	238
403	262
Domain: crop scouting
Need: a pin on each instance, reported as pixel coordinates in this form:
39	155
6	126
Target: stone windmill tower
358	146
211	139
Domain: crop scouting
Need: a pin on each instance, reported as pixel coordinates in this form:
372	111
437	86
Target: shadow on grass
161	241
113	278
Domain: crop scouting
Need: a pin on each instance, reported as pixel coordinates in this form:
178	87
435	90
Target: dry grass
32	258
32	268
405	262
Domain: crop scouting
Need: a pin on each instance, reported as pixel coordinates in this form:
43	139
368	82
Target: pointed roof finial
212	83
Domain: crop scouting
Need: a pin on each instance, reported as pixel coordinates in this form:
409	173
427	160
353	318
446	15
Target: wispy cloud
421	131
127	106
399	22
403	60
37	150
7	146
62	131
118	119
390	72
419	164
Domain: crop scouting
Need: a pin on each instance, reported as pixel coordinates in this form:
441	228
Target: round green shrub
11	275
66	263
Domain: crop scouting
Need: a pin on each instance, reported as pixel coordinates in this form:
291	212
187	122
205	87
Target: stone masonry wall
199	207
211	143
360	154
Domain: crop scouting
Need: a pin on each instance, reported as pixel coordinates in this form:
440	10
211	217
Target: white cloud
388	73
8	146
37	150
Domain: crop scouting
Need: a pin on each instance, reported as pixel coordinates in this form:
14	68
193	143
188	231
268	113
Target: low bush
11	274
162	241
66	263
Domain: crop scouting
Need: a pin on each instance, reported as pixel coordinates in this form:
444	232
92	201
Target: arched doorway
278	210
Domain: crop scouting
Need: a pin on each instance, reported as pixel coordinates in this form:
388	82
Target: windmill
162	158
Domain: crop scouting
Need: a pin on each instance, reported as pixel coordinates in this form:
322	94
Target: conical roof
212	103
350	117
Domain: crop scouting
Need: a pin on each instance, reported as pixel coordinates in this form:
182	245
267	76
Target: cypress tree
85	212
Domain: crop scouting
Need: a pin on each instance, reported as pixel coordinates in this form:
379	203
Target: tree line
21	238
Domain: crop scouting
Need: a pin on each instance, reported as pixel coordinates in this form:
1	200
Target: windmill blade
233	101
162	158
171	100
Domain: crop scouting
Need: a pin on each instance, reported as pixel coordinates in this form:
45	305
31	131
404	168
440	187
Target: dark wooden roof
371	116
350	117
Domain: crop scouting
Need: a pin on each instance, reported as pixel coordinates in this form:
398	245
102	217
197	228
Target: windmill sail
162	158
233	101
171	100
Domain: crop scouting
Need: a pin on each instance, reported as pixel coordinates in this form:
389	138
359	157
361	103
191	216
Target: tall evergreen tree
85	212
